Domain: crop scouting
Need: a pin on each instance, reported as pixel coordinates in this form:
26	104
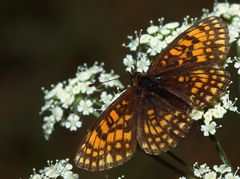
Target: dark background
43	41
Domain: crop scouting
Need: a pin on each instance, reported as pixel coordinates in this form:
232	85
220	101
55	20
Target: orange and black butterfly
155	111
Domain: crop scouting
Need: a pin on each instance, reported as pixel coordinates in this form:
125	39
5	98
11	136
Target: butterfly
154	112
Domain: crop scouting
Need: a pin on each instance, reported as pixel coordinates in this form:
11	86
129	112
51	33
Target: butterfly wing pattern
206	42
154	112
112	139
161	123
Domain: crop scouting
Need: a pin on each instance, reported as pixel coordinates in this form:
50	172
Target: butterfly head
140	80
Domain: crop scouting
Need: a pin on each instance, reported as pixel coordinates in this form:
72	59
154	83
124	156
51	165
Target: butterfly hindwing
161	124
199	87
112	140
205	42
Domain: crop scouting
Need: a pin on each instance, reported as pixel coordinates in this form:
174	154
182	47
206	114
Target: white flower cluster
217	112
147	45
157	37
231	14
218	172
59	169
69	100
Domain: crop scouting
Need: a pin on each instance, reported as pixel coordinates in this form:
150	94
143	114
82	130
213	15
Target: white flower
121	177
218	111
159	36
196	114
57	112
73	122
47	105
237	65
182	178
155	45
76	89
209	128
169	39
199	171
85	107
228	104
238	42
106	99
54	91
51	172
208	116
86	88
96	68
129	62
84	75
48	125
171	25
165	31
36	176
142	65
233	33
182	29
133	44
145	38
67	100
152	29
222	168
210	175
231	176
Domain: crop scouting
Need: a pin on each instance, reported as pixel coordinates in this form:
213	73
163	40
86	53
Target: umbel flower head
67	102
217	172
58	169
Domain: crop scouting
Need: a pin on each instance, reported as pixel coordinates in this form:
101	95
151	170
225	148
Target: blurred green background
43	42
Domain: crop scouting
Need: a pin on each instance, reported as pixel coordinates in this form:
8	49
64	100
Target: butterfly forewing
112	139
206	42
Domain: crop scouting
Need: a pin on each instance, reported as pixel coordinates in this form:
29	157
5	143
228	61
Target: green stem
181	161
220	150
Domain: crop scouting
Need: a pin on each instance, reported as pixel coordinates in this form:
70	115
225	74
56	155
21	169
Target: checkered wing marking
160	125
112	140
205	42
199	87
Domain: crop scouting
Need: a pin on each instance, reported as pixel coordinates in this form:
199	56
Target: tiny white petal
152	29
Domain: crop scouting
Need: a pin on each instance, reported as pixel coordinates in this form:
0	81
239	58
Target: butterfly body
154	111
143	82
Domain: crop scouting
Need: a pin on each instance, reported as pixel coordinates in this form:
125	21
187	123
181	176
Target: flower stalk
220	150
181	161
170	166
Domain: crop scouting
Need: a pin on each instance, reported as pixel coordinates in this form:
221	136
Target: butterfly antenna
100	83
